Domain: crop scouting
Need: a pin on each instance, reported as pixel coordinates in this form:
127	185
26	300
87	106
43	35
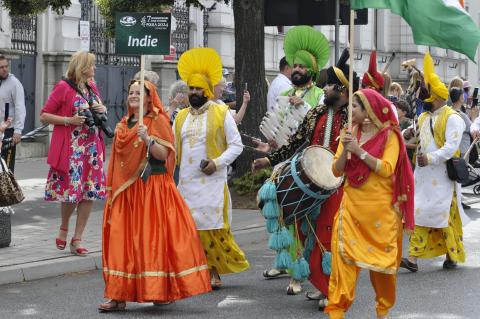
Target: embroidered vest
216	140
440	126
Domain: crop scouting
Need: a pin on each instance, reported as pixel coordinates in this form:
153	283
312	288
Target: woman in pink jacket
77	150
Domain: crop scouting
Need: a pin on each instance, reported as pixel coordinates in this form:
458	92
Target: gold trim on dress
154	273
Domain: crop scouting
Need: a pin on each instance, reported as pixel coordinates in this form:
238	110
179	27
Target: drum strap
328	129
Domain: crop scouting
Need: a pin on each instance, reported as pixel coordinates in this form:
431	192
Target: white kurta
433	189
205	194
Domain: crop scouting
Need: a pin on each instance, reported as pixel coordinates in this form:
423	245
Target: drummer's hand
260	146
210	168
295	100
422	160
260	163
273	144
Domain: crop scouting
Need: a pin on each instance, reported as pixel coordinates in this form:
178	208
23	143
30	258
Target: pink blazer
60	102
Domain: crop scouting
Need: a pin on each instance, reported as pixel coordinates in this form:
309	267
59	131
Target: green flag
439	23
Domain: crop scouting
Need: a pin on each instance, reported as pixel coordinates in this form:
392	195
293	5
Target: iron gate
24	39
180	37
113	71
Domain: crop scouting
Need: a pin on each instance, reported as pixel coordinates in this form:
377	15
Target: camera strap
77	89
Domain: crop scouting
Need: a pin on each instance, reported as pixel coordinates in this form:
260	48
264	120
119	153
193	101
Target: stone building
40	48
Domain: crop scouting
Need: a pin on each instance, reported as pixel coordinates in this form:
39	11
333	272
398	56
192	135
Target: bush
250	183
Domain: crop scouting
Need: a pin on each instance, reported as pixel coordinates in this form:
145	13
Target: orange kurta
366	234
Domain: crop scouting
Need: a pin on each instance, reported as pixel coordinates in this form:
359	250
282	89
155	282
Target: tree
250	68
32	7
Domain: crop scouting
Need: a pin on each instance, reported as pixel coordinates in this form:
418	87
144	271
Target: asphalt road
432	293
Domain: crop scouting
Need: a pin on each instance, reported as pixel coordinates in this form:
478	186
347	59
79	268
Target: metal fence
24	34
100	43
181	35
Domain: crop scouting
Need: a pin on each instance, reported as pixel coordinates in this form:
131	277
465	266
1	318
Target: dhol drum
305	182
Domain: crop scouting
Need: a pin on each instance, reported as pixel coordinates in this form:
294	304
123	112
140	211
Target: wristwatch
363	156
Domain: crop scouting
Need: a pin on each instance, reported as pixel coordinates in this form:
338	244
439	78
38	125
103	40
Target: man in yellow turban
438	211
207	141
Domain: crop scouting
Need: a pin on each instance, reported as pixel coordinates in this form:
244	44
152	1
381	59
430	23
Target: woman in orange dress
151	248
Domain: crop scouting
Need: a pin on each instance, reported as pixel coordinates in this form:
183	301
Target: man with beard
321	126
438	211
306	51
11	92
207	141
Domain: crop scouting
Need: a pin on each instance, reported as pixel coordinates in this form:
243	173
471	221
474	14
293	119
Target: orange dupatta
129	152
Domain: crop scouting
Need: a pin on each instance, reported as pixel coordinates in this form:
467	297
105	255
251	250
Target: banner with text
142	33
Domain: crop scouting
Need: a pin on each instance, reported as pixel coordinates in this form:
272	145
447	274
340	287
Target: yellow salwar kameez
428	242
367	234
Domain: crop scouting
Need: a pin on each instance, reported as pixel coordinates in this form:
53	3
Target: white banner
85	35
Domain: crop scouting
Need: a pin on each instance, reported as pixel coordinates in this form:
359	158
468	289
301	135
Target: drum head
317	164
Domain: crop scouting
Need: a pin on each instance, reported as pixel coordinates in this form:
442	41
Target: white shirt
11	92
205	194
280	84
433	189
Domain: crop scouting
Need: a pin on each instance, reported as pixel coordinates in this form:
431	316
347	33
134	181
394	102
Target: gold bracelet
65	121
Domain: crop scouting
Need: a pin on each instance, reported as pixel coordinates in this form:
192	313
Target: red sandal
76	248
61	244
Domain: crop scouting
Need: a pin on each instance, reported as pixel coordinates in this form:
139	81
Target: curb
64	265
49	268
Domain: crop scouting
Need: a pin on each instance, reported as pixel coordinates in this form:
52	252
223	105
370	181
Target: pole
350	73
337	30
142	88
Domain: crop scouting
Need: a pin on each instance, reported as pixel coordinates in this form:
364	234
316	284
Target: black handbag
10	192
457	169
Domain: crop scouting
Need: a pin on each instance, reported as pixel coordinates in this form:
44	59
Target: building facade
40	48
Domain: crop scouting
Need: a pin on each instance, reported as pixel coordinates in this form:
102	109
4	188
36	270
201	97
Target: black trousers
9	155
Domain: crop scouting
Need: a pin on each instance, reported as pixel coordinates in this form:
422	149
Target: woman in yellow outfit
378	194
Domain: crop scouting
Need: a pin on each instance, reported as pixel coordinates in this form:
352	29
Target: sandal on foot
322	303
61	243
314	295
112	305
77	249
407	264
273	273
294	288
216	283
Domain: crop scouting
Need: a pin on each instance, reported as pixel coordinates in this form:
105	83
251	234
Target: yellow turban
201	67
435	86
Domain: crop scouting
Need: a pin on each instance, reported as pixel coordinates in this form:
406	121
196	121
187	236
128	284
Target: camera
93	119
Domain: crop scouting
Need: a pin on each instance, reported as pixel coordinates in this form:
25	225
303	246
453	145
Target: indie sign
142	33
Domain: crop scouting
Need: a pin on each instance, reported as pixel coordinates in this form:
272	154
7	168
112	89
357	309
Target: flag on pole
440	23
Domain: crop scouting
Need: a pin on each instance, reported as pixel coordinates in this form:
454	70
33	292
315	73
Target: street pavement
73	286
